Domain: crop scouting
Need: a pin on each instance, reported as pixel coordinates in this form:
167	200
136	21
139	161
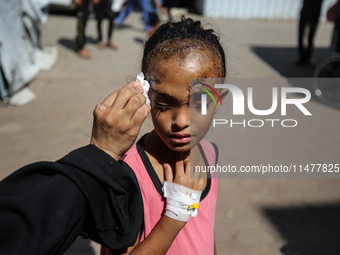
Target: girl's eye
151	80
162	107
198	105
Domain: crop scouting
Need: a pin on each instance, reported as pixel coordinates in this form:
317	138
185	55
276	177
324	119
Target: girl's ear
222	95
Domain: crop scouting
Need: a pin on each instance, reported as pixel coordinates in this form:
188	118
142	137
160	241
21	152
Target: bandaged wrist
145	84
182	202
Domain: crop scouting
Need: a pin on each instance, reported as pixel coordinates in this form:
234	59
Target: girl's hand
182	175
118	119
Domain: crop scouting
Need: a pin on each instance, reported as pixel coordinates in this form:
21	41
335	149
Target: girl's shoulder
210	151
131	155
135	158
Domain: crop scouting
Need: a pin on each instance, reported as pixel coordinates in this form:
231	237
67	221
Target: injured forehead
181	48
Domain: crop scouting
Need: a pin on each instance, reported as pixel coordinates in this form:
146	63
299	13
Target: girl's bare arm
166	230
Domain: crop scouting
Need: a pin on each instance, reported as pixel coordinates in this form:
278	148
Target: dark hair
187	28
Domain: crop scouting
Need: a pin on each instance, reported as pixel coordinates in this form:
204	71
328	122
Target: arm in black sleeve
46	205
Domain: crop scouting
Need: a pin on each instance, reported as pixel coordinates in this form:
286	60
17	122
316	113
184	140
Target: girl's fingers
201	183
187	169
168	174
180	164
197	179
179	167
196	174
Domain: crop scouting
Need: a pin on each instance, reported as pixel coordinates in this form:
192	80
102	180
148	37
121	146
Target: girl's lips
180	138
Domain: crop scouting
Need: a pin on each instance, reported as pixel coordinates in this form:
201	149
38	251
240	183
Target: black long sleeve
46	205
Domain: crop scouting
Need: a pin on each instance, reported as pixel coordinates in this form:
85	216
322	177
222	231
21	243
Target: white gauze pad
146	86
182	202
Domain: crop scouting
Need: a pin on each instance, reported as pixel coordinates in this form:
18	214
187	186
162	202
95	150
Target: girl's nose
181	117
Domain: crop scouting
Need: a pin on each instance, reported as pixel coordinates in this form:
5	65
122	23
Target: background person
103	10
309	18
82	17
333	15
155	8
130	6
46	205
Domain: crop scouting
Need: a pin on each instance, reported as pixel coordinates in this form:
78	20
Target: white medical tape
182	202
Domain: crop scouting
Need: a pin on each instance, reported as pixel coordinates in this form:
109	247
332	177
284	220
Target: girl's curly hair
186	30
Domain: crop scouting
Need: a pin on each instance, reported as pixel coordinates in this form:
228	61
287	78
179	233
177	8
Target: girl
175	54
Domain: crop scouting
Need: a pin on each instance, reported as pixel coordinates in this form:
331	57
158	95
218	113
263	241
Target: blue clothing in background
143	4
152	7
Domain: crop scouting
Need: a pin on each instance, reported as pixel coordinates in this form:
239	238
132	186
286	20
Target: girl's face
170	94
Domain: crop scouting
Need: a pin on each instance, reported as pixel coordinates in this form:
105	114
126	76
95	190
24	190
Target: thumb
168	175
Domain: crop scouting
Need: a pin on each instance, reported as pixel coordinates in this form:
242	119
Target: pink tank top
197	236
